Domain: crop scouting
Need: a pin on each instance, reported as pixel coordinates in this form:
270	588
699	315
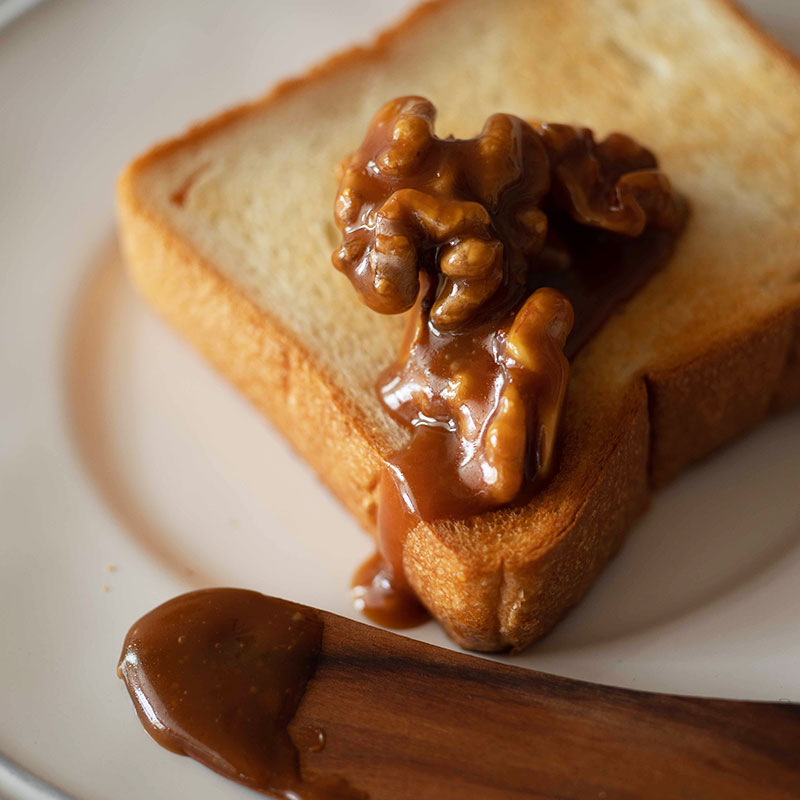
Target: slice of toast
228	231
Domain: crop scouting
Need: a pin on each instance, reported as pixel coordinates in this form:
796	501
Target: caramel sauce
420	482
218	674
497	245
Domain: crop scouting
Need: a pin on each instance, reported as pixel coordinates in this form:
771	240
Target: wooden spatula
402	719
390	718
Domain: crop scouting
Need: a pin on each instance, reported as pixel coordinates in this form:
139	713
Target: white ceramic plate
129	472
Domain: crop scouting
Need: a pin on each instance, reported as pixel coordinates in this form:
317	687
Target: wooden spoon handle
402	719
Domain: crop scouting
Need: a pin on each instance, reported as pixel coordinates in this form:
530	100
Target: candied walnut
534	357
614	184
529	408
500	391
410	202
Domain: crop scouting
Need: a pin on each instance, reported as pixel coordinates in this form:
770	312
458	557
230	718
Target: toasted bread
228	232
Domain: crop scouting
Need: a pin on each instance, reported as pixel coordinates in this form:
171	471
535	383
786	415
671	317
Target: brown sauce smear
496	245
218	674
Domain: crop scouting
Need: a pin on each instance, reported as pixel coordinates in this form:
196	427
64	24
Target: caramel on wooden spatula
307	705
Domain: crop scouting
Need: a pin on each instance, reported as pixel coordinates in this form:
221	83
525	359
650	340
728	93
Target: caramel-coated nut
347	207
500	159
410	122
439	218
614	184
410	140
546	315
472	258
652	191
393	262
350	252
504	447
458	300
535	356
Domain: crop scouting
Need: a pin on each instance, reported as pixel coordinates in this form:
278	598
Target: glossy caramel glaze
218	674
497	245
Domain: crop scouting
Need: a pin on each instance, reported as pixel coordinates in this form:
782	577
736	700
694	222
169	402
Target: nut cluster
470	212
454	229
409	201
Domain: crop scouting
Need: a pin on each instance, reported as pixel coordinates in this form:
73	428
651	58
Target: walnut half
614	184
